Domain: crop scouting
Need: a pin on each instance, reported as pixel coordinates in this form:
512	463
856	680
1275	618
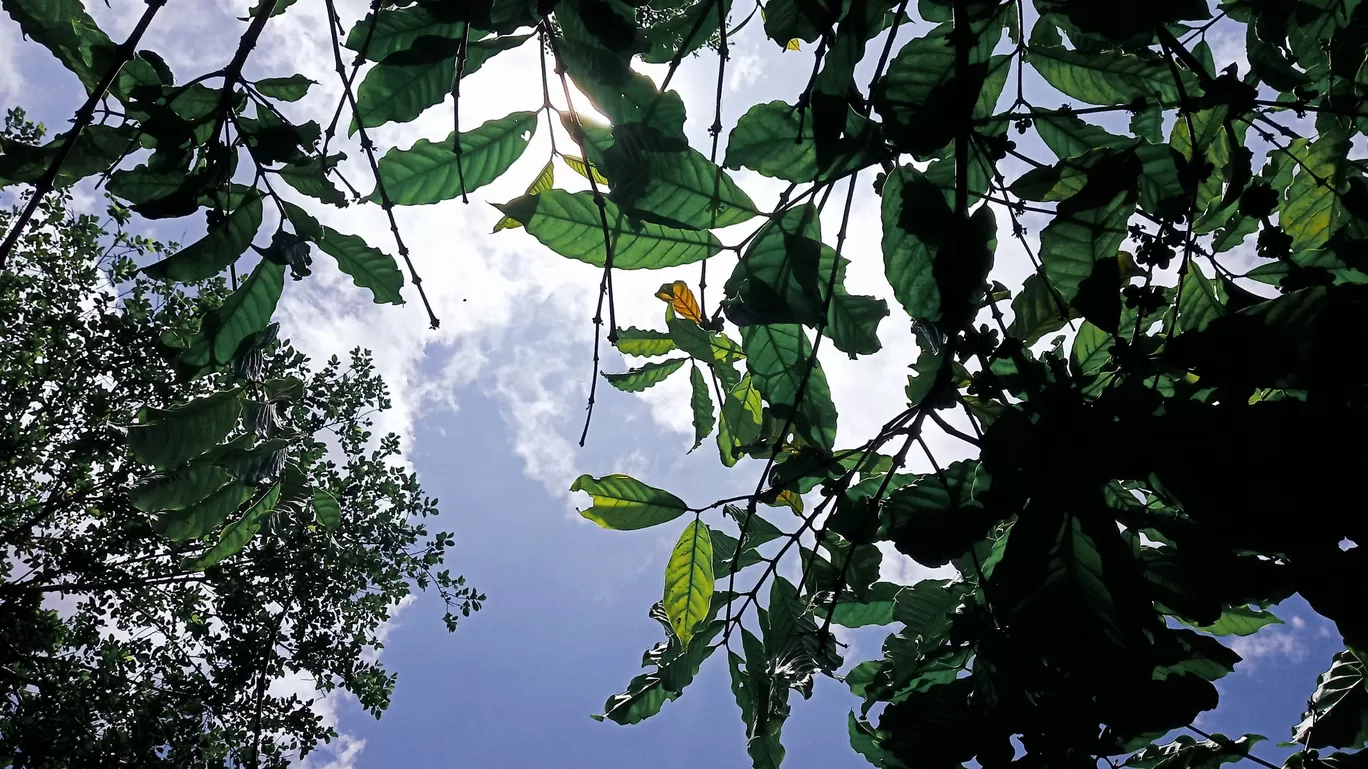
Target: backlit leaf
649	375
238	534
326	509
678	296
701	403
779	358
570	225
427	172
541	183
624	503
689	581
202	519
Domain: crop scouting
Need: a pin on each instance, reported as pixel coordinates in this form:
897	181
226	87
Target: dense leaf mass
1140	310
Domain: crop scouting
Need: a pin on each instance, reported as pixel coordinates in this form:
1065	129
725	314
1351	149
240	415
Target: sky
490	408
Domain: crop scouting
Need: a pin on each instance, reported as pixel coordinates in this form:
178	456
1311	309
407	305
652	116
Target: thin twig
369	149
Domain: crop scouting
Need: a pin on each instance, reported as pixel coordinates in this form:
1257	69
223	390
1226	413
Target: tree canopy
140	626
1162	444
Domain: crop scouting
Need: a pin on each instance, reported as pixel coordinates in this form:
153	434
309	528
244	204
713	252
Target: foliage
141	627
1178	456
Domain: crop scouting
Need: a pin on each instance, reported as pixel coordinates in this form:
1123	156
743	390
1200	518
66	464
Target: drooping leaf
1076	240
1187	753
166	438
1338	707
427	172
701	404
210	255
649	375
624	503
236	535
369	267
543	182
179	489
783	368
246	311
1199	303
665	180
689	581
326	509
570	225
916	222
763	702
202	519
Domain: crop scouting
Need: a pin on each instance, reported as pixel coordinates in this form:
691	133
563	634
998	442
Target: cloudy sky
490	408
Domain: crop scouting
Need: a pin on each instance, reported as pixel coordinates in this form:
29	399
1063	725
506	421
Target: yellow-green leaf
541	184
623	503
689	581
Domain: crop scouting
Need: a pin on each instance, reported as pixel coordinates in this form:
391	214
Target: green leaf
938	518
676	186
702	405
742	416
97	148
763	702
427	171
853	323
179	489
784	274
1313	204
409	81
1035	311
65	29
1240	621
238	534
396	29
292	88
643	343
921	95
778	357
638	379
1068	136
570	225
1199	303
246	311
689	581
203	518
623	503
1187	753
620	93
1338	707
1091	349
368	267
1108	78
875	608
768	140
212	254
543	182
915	224
1071	245
676	666
310	176
326	509
166	438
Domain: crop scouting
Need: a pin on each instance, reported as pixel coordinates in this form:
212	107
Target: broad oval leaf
779	357
689	581
369	267
649	375
326	509
570	224
236	535
212	254
623	503
166	438
204	518
427	172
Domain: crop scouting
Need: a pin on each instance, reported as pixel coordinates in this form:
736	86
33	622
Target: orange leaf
682	300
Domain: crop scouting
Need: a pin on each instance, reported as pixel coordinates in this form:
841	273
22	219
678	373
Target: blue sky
490	407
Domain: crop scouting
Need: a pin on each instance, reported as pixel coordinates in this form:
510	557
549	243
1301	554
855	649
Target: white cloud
1272	643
